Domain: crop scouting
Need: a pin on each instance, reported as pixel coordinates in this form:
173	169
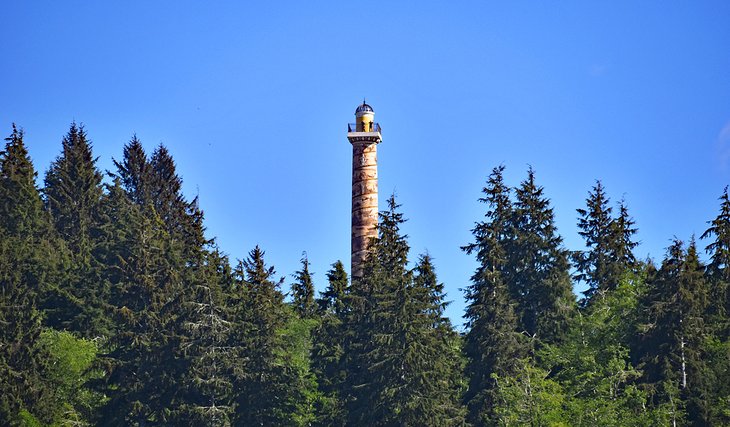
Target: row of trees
116	310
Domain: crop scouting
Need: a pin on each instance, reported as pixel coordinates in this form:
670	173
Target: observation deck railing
363	127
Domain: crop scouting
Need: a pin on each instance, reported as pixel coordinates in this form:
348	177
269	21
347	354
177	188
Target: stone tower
364	135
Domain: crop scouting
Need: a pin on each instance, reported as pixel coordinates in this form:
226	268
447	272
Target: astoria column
364	135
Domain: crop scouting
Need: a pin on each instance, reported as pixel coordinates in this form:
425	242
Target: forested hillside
116	310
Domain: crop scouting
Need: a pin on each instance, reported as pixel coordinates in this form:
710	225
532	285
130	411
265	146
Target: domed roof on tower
364	108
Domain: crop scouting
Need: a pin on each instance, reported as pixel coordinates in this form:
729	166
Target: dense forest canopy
116	310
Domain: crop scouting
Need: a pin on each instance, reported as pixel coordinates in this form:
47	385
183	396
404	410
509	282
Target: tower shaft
364	202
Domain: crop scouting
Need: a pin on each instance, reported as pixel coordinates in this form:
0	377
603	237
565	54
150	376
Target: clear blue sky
253	101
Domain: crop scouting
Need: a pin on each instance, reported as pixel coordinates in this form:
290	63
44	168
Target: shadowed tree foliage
493	344
540	282
400	359
73	197
328	358
719	267
26	259
262	389
609	242
135	172
303	291
673	333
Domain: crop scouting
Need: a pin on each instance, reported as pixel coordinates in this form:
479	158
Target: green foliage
73	196
328	343
66	369
406	370
673	334
493	344
719	267
116	310
539	283
529	397
303	291
609	242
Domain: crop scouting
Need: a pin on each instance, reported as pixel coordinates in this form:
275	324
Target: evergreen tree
609	243
625	228
540	282
333	298
26	263
328	358
673	333
135	172
262	388
21	211
303	291
207	385
183	220
403	369
142	368
73	192
719	266
492	343
73	197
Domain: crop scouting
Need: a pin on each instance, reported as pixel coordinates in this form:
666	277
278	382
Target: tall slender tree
262	390
609	242
303	291
26	266
404	361
328	356
135	172
719	267
493	344
73	197
673	333
73	192
541	283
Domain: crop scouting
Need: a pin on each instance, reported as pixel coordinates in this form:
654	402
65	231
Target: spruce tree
609	242
493	344
673	333
26	266
719	267
262	388
143	370
328	358
207	386
73	192
540	283
135	172
73	197
403	367
21	211
303	291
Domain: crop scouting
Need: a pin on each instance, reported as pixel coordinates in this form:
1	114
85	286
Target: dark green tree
207	386
135	172
303	291
402	372
328	358
719	267
182	219
540	282
73	192
493	344
142	370
673	334
26	259
73	197
609	242
262	388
